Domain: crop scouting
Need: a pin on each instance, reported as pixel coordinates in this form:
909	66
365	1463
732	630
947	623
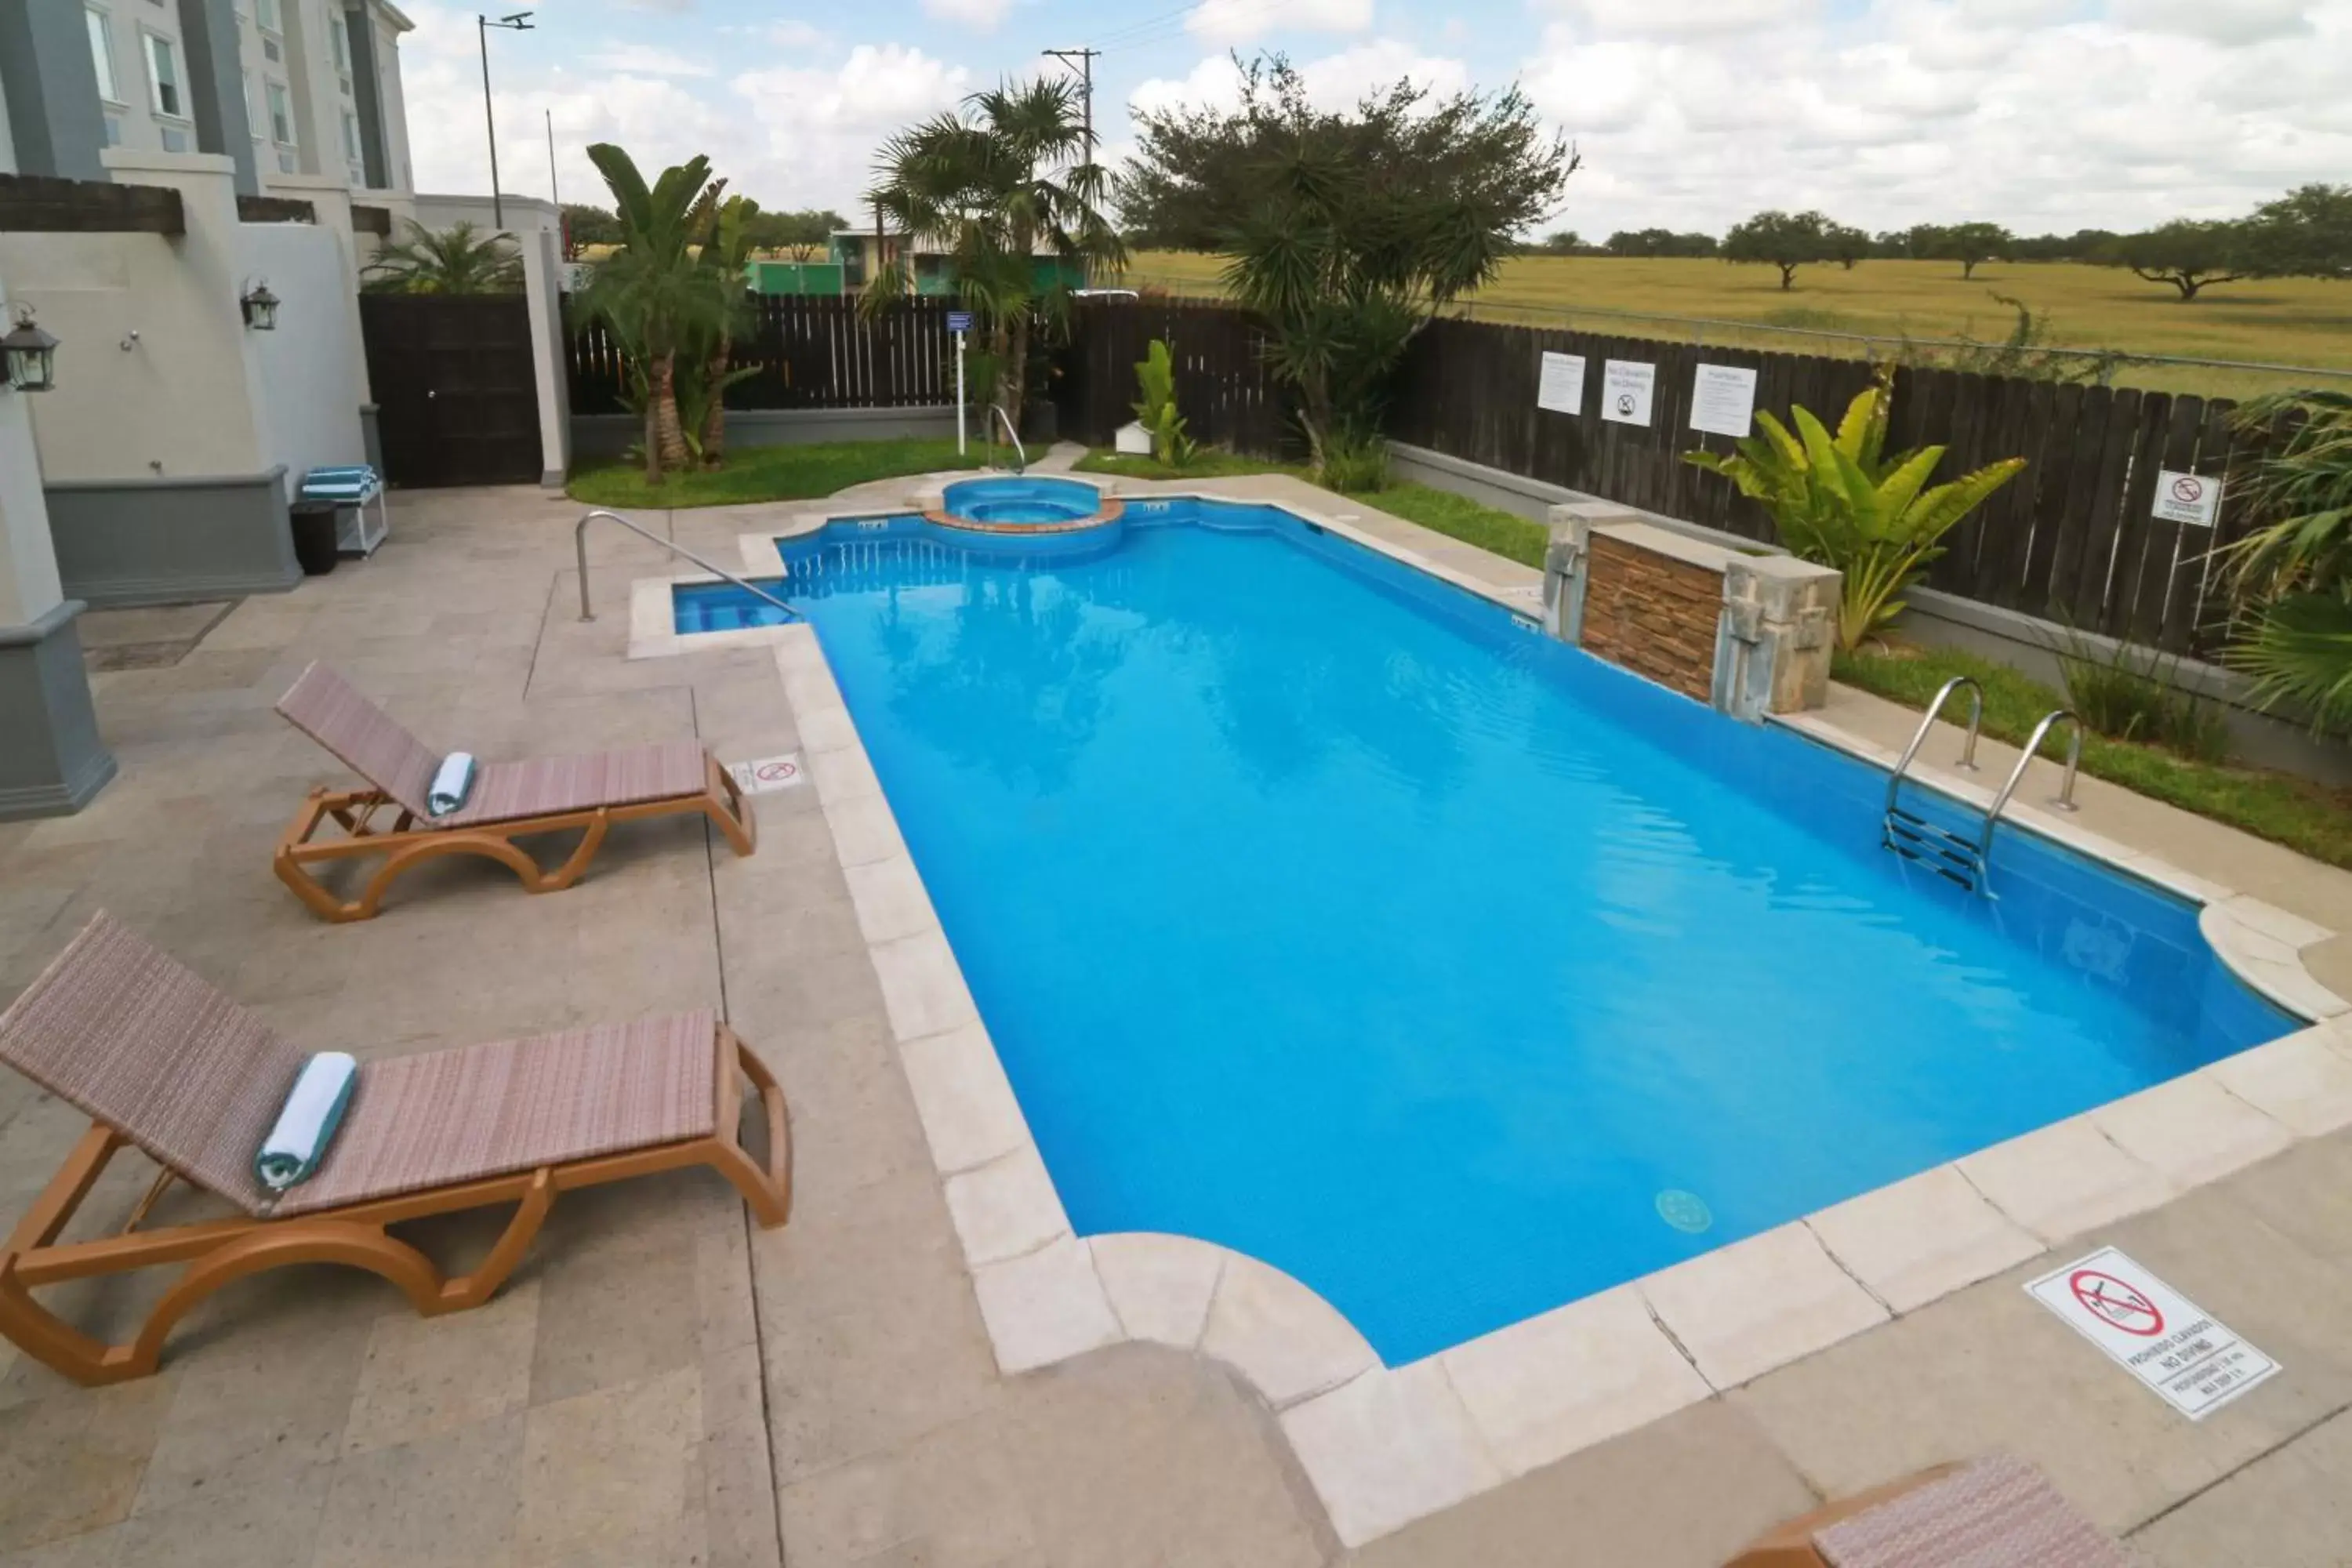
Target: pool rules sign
2151	1330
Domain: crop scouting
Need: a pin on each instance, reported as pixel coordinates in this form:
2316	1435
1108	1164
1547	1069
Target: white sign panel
2192	498
1625	387
764	775
1561	390
1723	400
2153	1331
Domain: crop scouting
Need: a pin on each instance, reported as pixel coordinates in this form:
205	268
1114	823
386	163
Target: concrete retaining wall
161	541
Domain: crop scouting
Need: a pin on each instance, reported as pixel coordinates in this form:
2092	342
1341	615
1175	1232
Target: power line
1086	58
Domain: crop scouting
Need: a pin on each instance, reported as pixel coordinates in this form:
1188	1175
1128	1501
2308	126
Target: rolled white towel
306	1125
451	784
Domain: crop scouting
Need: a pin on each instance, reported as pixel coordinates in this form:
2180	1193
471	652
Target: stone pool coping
1385	1446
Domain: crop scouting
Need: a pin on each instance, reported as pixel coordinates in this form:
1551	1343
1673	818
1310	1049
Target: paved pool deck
665	1384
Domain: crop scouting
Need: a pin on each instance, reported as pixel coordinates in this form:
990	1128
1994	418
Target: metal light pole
520	23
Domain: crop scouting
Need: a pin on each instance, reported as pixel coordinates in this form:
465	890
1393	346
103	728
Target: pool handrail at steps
1913	836
2064	799
579	549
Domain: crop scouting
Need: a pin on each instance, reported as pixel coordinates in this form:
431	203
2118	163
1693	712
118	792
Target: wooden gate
456	402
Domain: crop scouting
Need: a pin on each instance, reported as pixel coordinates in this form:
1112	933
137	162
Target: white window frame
351	137
256	120
274	92
149	38
339	46
269	17
101	41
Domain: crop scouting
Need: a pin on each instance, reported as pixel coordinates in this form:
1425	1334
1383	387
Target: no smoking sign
2191	498
2186	1356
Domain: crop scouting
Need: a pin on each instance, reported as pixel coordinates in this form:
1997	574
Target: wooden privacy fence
2073	539
1222	388
808	352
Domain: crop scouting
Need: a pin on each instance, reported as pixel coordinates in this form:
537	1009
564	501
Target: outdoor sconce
32	354
260	307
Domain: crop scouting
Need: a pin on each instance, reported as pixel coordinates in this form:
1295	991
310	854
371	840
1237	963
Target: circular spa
1021	504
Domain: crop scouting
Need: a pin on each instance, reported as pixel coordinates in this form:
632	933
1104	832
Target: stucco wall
310	366
522	213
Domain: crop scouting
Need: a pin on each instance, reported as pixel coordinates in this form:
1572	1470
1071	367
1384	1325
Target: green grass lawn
1208	463
770	473
2304	816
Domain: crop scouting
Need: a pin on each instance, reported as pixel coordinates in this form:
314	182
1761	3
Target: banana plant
1839	500
1155	379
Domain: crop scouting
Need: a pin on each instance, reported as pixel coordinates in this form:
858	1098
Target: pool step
1947	854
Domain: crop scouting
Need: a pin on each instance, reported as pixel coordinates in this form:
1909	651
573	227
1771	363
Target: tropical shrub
653	293
1155	382
459	259
1840	500
2291	576
1355	464
2134	694
1004	184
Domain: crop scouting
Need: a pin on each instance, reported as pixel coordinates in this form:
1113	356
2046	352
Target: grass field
2287	320
768	473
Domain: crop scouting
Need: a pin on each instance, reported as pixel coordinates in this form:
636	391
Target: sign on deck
2159	1336
2192	498
764	775
958	320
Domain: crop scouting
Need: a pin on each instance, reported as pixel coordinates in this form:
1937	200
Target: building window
281	115
339	44
113	131
163	75
265	15
350	136
101	54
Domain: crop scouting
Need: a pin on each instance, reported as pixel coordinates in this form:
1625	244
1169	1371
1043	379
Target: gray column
216	86
53	760
51	86
367	94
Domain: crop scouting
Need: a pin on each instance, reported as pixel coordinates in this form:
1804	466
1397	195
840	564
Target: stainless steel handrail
2064	799
580	547
1020	453
1919	736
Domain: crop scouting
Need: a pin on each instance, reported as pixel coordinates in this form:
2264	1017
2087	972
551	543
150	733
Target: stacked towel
451	784
307	1123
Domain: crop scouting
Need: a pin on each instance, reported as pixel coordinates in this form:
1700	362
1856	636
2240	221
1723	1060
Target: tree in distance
1659	242
1785	240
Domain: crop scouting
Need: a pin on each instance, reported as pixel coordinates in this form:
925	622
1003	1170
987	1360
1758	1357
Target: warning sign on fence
1561	388
1625	387
2159	1336
2192	498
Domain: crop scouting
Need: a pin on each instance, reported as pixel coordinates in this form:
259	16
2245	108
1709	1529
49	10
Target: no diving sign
766	773
2153	1331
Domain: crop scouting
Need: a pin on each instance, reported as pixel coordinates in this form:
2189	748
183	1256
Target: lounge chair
160	1060
509	800
1994	1512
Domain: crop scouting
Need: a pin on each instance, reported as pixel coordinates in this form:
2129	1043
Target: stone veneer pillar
1771	635
51	759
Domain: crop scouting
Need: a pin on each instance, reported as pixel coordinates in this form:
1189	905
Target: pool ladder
1947	854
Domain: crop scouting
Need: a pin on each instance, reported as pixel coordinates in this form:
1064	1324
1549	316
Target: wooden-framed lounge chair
160	1060
509	801
1994	1512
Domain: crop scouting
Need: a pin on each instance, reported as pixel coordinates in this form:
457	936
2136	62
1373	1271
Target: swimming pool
1323	911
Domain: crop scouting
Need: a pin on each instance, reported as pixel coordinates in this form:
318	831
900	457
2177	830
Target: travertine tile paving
664	1386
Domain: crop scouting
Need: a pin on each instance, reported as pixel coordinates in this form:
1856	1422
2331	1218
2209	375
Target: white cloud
1227	22
1683	18
794	34
2235	22
980	15
1333	82
641	60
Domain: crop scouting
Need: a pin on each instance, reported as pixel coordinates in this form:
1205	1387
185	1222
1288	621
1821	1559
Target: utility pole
520	23
1085	64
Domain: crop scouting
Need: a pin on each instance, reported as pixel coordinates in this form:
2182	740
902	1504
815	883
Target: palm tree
459	259
2291	576
726	247
1007	182
653	292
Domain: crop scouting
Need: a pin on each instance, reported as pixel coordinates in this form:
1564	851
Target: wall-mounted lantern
260	307
32	354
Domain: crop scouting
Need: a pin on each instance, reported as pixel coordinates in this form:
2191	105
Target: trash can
314	536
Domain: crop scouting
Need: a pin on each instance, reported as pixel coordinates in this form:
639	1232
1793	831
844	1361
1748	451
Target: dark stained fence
1222	388
811	352
2073	539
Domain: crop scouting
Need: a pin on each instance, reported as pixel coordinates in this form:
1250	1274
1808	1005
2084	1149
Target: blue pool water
1323	911
1023	500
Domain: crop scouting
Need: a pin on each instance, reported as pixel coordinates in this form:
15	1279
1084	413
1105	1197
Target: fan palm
2291	576
1007	182
459	259
1840	501
652	291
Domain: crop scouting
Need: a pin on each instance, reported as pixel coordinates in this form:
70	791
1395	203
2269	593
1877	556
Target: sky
2039	114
